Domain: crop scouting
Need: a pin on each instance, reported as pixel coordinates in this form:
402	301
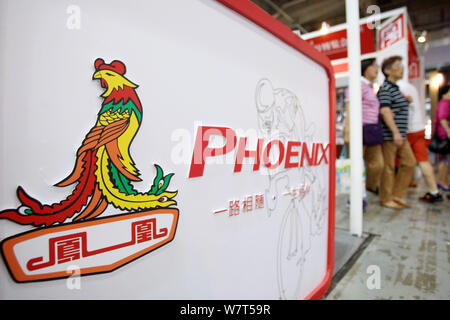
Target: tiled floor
411	251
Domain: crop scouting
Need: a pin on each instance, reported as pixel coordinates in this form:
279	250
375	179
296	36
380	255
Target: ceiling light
423	37
325	28
437	80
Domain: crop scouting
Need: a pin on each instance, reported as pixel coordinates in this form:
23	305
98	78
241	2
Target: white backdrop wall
196	62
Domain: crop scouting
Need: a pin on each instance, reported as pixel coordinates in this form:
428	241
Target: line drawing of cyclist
280	116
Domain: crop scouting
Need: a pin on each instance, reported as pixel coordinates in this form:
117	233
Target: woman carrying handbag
372	129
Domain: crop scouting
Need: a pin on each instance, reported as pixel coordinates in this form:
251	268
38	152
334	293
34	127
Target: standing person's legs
413	138
373	159
405	173
443	170
428	174
420	150
433	195
388	175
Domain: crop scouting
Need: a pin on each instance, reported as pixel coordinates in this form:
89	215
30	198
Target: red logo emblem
102	175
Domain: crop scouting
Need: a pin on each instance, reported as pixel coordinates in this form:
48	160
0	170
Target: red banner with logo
334	44
391	33
413	58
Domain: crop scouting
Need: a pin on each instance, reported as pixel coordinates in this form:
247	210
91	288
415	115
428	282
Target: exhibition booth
142	160
382	35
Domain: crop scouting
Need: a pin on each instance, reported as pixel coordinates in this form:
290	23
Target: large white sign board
197	64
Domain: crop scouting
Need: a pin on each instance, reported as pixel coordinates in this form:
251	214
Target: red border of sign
258	16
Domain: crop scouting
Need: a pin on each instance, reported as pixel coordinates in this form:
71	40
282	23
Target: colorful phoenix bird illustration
104	170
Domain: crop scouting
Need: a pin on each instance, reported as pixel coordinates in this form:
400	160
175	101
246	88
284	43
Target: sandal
403	203
440	186
391	205
413	184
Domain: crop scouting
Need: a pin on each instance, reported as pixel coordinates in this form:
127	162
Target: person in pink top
442	129
372	140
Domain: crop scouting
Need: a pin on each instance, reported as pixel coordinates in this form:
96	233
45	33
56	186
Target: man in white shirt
416	138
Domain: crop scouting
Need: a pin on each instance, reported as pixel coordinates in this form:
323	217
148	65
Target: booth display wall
393	36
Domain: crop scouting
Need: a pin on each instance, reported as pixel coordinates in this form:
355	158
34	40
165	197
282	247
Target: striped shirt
370	103
390	96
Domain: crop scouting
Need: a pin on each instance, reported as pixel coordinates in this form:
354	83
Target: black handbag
373	133
438	145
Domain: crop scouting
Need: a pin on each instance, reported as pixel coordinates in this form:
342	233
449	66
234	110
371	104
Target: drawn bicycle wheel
290	254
